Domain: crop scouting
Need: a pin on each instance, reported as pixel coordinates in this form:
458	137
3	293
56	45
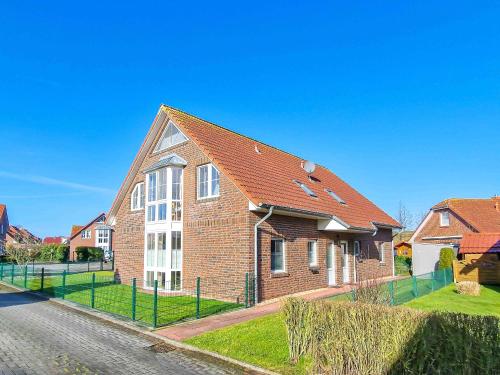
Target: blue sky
401	101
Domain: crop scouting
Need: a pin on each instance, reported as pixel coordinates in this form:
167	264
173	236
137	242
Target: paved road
42	337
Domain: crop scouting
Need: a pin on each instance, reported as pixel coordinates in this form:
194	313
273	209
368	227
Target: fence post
198	297
391	292
1	271
12	274
101	267
415	287
42	280
88	264
25	276
92	292
63	284
432	281
67	266
155	305
134	296
246	289
33	269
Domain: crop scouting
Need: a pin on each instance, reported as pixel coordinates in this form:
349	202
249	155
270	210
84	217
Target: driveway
42	337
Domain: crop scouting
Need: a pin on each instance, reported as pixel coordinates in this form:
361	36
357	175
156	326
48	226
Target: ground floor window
277	255
175	280
150	279
163	259
312	253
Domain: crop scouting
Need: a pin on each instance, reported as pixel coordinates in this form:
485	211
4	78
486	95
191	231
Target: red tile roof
482	214
54	240
23	233
2	209
480	243
266	177
75	229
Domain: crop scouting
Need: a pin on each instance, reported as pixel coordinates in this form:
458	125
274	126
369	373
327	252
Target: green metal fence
398	292
150	303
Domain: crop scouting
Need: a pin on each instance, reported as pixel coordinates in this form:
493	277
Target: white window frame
282	240
313	262
137	203
441	221
381	251
210	192
86	234
158	147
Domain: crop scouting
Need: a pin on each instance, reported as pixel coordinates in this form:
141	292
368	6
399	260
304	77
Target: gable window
306	189
335	196
86	234
444	218
208	181
277	255
312	253
171	136
137	198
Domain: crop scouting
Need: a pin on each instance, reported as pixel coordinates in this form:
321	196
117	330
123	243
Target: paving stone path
42	337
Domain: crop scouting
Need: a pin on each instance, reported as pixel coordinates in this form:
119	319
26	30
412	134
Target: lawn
446	299
261	342
116	298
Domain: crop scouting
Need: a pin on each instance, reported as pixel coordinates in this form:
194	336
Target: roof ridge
236	133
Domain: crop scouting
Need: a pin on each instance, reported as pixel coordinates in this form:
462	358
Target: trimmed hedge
89	253
54	253
355	339
446	257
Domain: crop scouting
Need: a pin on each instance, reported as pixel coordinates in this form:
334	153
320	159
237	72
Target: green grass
446	299
117	298
261	342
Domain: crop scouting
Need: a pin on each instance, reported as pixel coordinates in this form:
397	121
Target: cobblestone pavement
42	337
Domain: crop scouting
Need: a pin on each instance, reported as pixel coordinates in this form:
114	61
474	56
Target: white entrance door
330	264
345	261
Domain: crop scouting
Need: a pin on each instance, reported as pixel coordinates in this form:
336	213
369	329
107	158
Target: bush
470	288
356	338
89	253
54	253
402	264
446	257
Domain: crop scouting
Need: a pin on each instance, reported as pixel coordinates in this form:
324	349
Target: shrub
54	253
355	338
470	288
371	291
89	253
446	257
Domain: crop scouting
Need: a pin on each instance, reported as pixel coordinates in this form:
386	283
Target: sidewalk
184	331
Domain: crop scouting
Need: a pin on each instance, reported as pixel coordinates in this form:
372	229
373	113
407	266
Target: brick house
201	200
448	221
17	235
4	227
93	234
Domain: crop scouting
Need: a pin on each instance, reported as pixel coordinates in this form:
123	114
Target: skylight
306	189
335	196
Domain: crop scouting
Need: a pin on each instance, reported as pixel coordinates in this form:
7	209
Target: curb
140	330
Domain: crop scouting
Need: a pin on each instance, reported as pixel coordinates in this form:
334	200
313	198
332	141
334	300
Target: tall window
152	187
444	218
102	237
162	249
150	252
208	181
171	136
176	194
176	251
277	255
312	253
164	191
357	248
137	199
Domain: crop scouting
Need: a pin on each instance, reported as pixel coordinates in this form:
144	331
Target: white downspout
256	256
392	256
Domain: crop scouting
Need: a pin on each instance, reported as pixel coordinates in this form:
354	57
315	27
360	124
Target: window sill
314	269
209	199
277	275
137	210
382	263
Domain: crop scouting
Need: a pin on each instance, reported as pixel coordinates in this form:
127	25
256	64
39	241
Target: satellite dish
309	166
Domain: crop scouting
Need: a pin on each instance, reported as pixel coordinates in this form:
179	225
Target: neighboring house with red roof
17	235
480	243
4	227
201	200
93	234
57	240
448	221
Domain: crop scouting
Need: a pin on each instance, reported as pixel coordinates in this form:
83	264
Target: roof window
335	196
306	189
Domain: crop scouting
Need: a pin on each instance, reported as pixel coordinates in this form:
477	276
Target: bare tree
23	253
405	217
420	217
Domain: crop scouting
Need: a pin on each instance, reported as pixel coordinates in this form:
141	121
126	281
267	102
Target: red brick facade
432	231
77	239
218	238
4	226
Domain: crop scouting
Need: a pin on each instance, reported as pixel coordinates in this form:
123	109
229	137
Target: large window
164	194
444	218
162	249
312	253
208	181
137	198
176	251
277	255
86	234
103	238
176	194
150	249
171	136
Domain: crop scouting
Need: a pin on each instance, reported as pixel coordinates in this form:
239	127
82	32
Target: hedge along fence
357	338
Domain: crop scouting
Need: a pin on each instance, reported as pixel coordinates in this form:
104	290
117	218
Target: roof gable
77	229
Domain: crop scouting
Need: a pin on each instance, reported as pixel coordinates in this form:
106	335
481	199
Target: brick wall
432	228
4	224
79	241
